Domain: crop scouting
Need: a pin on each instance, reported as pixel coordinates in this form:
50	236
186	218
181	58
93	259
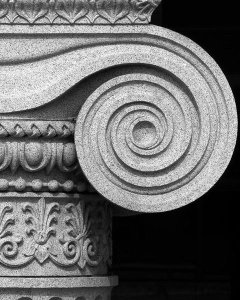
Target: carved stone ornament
158	138
48	235
97	120
76	11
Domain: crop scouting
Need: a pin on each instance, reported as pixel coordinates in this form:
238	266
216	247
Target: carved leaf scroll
8	240
40	221
79	245
76	11
142	10
71	10
66	235
113	10
31	10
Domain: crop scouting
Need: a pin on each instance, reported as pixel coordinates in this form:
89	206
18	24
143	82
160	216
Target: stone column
100	113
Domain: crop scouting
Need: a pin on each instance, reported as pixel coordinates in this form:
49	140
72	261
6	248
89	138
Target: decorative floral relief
68	235
119	9
142	10
71	10
79	243
41	220
77	11
8	241
31	10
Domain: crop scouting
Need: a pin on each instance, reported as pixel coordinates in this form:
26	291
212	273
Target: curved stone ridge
157	142
76	11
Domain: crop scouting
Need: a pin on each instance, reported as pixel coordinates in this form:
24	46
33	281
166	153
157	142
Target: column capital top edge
67	12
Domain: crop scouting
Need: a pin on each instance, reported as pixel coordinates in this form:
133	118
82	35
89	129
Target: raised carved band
76	11
36	129
44	232
25	147
35	156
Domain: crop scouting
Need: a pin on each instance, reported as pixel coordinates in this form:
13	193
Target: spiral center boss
144	134
145	142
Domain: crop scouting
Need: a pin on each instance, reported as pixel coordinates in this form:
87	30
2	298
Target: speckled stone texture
57	288
77	12
54	235
160	137
92	116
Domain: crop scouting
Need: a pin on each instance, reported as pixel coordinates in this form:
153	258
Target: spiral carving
146	141
9	247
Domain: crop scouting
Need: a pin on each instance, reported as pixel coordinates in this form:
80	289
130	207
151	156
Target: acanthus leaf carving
76	236
71	10
92	14
12	15
41	221
77	11
67	235
8	241
5	223
52	15
31	10
119	9
142	10
87	241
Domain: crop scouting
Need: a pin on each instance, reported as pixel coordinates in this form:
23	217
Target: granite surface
156	140
156	118
140	116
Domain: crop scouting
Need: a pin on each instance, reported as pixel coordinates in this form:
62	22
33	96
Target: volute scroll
159	140
98	117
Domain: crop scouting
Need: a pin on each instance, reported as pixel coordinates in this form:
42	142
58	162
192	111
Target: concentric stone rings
155	142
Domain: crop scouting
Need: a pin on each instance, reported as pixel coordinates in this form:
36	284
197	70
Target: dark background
192	252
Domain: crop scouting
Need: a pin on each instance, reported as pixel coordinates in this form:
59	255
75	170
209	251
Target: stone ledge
58	282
